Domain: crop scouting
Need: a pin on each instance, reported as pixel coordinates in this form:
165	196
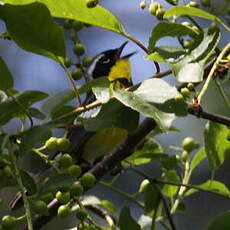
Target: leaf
57	182
36	113
171	29
198	158
77	10
126	221
112	114
108	206
11	107
217	145
170	176
6	77
33	29
192	11
28	182
212	186
6	181
147	152
222	221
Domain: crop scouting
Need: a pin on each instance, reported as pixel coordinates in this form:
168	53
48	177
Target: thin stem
211	73
223	93
124	194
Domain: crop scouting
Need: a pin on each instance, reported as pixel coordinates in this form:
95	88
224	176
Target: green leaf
77	10
6	78
217	145
113	114
6	181
62	111
34	137
33	29
11	107
149	151
192	11
36	113
170	176
28	182
151	198
57	182
198	158
102	90
171	29
109	206
222	221
126	221
152	93
212	186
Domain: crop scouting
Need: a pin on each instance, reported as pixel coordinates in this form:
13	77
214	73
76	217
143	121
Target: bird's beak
120	49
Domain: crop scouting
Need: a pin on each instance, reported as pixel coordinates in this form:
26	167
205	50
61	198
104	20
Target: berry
160	13
77	74
63	144
77	25
79	49
87	61
143	185
188	43
68	24
206	3
185	155
193	4
186	24
68	62
81	214
73	37
40	207
8	222
143	4
51	143
47	197
189	144
179	98
88	180
190	86
213	27
65	160
75	170
76	190
63	197
7	171
63	211
185	92
91	3
153	7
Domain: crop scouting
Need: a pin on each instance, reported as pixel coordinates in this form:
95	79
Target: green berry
188	43
179	98
8	222
68	62
143	185
213	27
74	170
185	92
185	155
63	211
143	4
87	61
79	49
63	197
77	25
76	190
51	143
81	214
206	3
73	37
47	197
88	180
91	3
7	171
186	24
193	4
77	74
65	160
63	144
190	86
189	144
40	207
153	8
160	13
68	24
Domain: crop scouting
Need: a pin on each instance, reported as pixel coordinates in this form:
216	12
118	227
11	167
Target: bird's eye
106	61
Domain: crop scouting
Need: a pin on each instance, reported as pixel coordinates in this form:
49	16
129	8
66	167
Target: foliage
112	135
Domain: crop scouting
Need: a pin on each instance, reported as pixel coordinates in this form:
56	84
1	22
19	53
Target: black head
103	62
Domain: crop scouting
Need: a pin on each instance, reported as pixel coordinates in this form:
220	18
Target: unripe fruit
153	7
7	171
206	3
185	155
186	24
75	170
73	37
81	214
213	27
77	74
79	49
63	211
68	24
68	62
160	13
40	207
76	190
143	185
65	160
143	4
91	3
47	197
63	144
190	86
189	144
185	92
179	98
51	143
77	25
63	197
87	61
193	4
8	222
88	180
